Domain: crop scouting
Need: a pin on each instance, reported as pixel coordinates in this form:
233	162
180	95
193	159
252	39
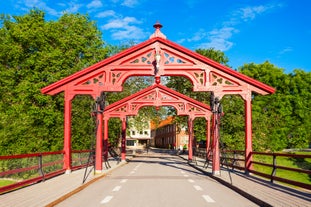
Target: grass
6	182
287	162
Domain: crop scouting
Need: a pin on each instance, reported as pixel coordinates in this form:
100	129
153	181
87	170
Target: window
130	142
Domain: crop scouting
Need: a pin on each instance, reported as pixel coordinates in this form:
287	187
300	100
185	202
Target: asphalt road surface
156	180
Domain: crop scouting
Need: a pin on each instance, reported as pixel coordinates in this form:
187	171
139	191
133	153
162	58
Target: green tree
35	53
281	120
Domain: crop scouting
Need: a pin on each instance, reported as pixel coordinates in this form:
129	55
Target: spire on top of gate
157	32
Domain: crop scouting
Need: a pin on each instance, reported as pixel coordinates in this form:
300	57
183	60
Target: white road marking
191	181
132	172
123	181
183	172
186	175
106	199
197	187
208	199
117	188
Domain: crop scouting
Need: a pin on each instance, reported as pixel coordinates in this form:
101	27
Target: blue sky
245	30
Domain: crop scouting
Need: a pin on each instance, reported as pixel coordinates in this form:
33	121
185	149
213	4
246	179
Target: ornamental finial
157	32
157	25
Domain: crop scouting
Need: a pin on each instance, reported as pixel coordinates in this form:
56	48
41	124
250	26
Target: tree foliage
35	53
281	120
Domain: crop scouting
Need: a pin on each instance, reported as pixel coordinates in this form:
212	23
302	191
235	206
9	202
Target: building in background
138	138
167	135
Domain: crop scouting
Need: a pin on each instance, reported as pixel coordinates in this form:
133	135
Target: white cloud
219	39
125	28
251	12
70	7
131	32
106	13
130	3
120	23
286	50
201	34
95	4
27	4
73	7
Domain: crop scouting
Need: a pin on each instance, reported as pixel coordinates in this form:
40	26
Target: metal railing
26	169
268	166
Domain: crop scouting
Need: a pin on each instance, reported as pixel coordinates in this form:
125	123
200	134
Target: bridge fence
17	171
271	166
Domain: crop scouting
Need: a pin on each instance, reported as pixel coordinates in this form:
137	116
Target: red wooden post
106	138
190	153
248	132
99	143
215	147
123	145
67	133
208	137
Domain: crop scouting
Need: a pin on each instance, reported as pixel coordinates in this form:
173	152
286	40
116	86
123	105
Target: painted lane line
132	172
191	181
186	175
182	172
197	187
208	199
117	188
123	181
106	199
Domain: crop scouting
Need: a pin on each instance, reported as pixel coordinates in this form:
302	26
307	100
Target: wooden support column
123	141
105	147
215	147
67	132
190	130
99	143
248	132
208	137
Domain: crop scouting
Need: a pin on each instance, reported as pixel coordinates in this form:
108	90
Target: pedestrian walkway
50	191
54	190
262	192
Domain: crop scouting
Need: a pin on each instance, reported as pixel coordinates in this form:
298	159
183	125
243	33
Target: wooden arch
158	57
155	95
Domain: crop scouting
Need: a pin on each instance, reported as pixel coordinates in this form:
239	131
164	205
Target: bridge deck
60	187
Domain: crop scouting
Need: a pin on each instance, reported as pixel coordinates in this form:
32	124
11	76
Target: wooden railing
268	167
26	169
273	168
